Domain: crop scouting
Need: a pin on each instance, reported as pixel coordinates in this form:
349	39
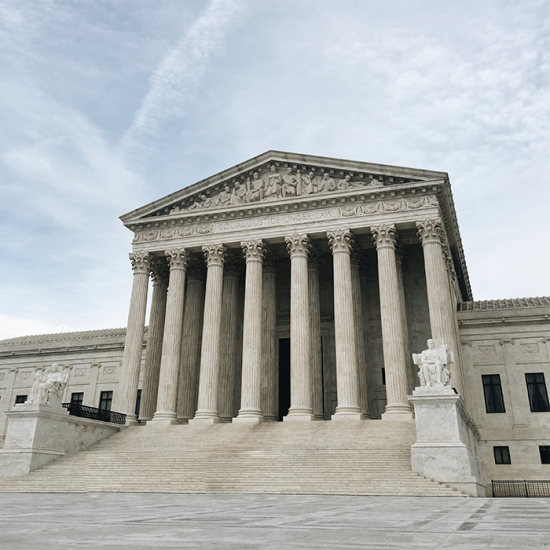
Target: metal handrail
83	411
526	488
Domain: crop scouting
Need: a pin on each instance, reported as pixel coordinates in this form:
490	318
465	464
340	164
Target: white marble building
297	288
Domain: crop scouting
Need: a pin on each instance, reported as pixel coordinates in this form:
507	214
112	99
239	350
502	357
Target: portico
355	263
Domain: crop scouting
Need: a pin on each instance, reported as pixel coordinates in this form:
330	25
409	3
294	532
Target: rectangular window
138	402
494	402
538	396
383	376
502	455
20	399
105	400
77	398
544	454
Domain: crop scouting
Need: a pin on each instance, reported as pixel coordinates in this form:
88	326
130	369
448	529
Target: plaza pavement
274	522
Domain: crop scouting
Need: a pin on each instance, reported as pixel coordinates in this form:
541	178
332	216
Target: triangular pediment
278	176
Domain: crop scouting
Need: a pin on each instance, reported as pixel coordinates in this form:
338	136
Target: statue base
447	439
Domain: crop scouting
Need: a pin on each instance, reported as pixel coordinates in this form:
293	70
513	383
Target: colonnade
191	362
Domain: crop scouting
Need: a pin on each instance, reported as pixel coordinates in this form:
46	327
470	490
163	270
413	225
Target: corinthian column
251	406
270	368
207	410
315	331
442	309
228	342
359	330
300	338
391	315
171	344
153	353
188	381
133	346
347	381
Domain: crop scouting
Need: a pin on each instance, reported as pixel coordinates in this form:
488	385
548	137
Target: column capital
314	257
271	261
340	240
298	245
159	270
214	254
384	235
178	258
140	262
430	231
253	250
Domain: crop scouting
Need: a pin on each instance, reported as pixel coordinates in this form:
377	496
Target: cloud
178	75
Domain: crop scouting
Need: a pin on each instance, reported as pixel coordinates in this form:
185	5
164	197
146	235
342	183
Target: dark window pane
138	403
536	388
20	399
105	400
383	376
77	398
502	455
492	389
545	454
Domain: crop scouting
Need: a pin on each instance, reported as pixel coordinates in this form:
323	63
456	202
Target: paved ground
278	522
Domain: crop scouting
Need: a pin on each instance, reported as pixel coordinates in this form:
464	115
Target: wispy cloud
178	75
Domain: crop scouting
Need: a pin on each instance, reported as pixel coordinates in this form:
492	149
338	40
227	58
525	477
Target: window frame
537	389
500	454
20	399
104	398
544	449
77	402
492	390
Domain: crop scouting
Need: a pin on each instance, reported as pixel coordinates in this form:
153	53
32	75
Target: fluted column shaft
300	338
393	337
442	309
188	382
270	368
228	342
171	344
207	410
315	331
251	406
359	339
153	353
133	346
347	380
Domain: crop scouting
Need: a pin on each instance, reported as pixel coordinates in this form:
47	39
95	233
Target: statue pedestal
446	445
37	434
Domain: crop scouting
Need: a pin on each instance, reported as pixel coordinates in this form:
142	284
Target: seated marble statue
46	383
432	364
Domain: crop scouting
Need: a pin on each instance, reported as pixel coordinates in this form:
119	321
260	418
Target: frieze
173	233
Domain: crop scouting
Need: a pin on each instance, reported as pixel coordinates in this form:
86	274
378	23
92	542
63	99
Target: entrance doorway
284	377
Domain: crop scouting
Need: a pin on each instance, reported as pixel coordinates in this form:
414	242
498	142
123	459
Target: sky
107	105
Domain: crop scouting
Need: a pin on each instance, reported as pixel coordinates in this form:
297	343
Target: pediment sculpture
434	365
47	382
274	184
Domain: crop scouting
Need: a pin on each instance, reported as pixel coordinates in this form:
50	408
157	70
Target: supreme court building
297	288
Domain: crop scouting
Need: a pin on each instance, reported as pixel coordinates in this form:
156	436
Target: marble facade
296	288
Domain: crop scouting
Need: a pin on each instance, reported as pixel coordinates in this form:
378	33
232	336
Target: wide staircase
347	458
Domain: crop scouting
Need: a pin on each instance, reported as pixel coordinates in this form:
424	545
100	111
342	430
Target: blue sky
107	105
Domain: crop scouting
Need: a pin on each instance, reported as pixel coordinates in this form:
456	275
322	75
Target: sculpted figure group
276	185
46	382
433	364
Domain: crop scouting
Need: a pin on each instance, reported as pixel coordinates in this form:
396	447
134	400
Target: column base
163	418
205	417
131	420
399	413
248	419
347	413
299	415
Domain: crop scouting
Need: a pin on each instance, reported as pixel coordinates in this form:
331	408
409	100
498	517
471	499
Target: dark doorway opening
284	377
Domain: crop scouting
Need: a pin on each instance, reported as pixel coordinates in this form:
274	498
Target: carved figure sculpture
326	184
308	184
345	183
433	365
255	188
239	194
274	181
47	383
224	198
289	184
